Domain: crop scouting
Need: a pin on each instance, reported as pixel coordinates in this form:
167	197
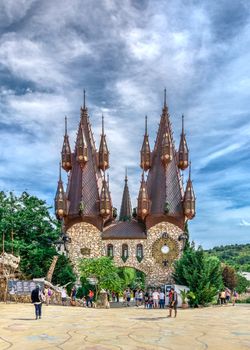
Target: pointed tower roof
145	150
183	149
60	198
164	181
85	183
66	151
126	208
103	150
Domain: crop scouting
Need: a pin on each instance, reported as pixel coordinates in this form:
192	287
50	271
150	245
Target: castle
151	237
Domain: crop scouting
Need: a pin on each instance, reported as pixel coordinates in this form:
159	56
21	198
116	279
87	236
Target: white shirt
162	295
156	295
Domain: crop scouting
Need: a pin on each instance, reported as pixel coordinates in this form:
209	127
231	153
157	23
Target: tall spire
103	150
126	208
143	202
66	151
165	98
183	149
60	198
145	150
189	198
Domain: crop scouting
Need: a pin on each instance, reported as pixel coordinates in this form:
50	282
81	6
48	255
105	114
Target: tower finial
146	125
190	170
182	124
165	98
84	99
102	124
126	174
66	129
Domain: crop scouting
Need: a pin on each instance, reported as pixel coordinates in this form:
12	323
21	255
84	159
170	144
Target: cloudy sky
124	53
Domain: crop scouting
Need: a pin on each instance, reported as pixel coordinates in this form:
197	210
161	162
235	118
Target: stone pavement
69	328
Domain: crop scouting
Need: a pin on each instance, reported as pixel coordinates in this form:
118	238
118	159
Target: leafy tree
229	277
131	277
242	284
199	272
104	271
28	221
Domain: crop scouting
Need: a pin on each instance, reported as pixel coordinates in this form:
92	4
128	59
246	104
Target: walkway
124	329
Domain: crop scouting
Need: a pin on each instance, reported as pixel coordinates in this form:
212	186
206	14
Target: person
173	301
36	299
162	300
48	295
222	297
234	297
137	297
90	298
156	297
146	300
128	296
64	296
73	296
227	293
140	297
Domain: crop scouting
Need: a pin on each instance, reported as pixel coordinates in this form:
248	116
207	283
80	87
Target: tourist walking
227	293
140	297
156	297
90	298
37	297
128	296
146	300
234	297
222	297
64	296
137	297
73	296
173	301
162	300
48	295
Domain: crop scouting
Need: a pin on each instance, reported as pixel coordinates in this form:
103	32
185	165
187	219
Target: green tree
28	221
199	272
104	271
242	284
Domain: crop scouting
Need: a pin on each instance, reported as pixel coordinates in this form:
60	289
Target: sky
124	53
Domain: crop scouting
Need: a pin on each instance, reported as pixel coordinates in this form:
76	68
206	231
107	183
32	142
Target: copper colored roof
126	209
125	230
85	184
164	182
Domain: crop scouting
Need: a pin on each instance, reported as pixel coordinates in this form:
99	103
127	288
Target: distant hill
236	255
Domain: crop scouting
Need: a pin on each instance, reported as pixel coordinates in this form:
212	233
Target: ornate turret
103	150
60	199
189	198
126	208
66	151
145	150
183	150
105	200
81	147
164	183
143	200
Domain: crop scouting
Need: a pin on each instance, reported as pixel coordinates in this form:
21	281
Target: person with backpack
173	301
37	297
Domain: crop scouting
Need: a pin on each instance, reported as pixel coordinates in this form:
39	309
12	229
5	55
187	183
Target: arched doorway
132	277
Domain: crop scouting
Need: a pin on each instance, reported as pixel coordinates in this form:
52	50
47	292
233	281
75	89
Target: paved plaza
70	328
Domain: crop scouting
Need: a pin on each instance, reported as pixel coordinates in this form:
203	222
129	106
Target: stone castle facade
149	238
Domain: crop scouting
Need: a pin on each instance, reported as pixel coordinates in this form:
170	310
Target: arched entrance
132	277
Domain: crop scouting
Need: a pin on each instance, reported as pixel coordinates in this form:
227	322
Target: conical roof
126	208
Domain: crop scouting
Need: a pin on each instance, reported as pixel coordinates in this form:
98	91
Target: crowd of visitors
151	298
226	295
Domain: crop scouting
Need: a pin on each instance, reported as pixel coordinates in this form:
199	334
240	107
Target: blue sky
124	53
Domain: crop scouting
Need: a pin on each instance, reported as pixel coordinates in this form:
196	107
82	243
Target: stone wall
87	242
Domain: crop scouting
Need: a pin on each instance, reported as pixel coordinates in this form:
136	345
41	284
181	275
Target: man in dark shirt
36	300
173	301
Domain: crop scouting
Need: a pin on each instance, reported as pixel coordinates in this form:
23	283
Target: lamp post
61	244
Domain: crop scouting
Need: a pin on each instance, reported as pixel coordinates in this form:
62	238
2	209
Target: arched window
125	251
110	250
139	251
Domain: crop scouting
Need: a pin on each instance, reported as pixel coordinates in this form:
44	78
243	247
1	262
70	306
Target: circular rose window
164	249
